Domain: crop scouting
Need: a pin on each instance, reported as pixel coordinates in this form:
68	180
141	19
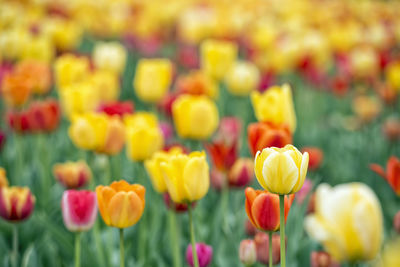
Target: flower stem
174	236
15	246
192	237
282	228
78	249
121	248
224	207
270	248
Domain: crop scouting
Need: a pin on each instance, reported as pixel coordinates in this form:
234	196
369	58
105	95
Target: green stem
121	247
143	226
99	246
174	235
78	249
192	237
15	246
224	206
282	228
270	248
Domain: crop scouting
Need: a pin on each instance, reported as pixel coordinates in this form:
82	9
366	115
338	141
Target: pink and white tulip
79	209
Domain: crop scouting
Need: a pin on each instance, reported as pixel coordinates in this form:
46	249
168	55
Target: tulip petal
125	209
104	195
265	211
260	158
196	178
302	173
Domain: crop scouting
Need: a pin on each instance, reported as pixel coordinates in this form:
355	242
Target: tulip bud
242	78
16	203
315	157
396	222
3	178
109	56
247	252
262	248
204	254
241	173
79	209
72	174
322	259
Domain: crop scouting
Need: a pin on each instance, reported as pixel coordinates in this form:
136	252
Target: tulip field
199	133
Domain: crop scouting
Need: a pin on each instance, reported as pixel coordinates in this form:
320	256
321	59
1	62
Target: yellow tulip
347	221
242	78
275	105
392	74
153	167
364	62
152	80
186	176
390	254
195	117
106	83
110	56
70	69
217	57
281	170
143	135
66	34
195	24
13	41
38	48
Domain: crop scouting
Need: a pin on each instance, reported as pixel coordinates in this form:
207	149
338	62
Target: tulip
195	117
275	105
3	178
347	221
16	203
263	134
390	255
109	56
143	135
105	84
392	174
281	170
242	78
316	157
152	79
247	252
69	69
78	98
16	89
305	190
262	208
66	34
392	75
186	176
44	115
38	48
322	259
19	121
197	83
38	73
204	253
363	62
262	242
396	222
153	167
72	175
121	204
79	209
217	57
228	131
241	173
218	179
117	108
366	108
391	129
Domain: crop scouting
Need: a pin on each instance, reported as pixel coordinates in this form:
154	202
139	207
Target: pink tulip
204	254
79	209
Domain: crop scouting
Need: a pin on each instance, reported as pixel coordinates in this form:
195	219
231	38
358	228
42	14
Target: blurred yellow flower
3	177
12	42
110	56
390	254
281	170
195	117
38	48
242	78
195	24
152	80
143	135
217	57
66	34
186	176
106	84
78	98
275	105
364	62
392	75
70	69
347	221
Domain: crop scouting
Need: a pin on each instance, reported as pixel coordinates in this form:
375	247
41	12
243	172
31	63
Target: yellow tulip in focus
281	170
70	69
143	135
110	56
217	57
242	78
152	80
275	105
153	167
78	98
195	117
106	84
347	221
392	74
186	176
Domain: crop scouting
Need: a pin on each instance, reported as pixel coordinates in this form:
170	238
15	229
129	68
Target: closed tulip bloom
241	173
186	176
152	80
242	78
322	259
44	115
153	168
79	210
143	135
281	170
263	134
364	62
3	178
204	254
38	73
66	34
195	117
72	175
39	48
121	204
247	252
347	221
16	203
16	89
262	208
275	105
392	173
106	84
110	56
217	57
262	243
69	69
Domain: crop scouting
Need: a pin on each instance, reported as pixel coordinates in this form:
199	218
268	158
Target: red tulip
118	108
241	173
315	157
16	203
392	174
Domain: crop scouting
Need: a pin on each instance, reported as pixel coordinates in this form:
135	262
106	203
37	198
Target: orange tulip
38	73
121	204
262	208
392	174
16	89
